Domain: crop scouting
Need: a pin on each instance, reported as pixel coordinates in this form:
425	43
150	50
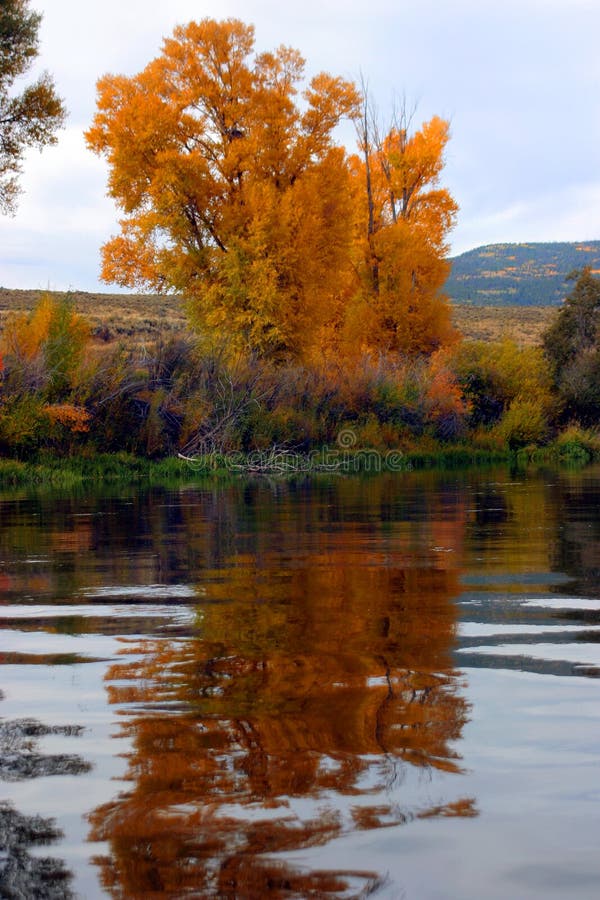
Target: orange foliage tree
233	191
44	348
43	353
235	195
404	218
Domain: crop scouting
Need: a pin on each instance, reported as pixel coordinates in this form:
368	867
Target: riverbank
570	448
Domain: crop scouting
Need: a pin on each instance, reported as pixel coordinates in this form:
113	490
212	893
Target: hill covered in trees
519	274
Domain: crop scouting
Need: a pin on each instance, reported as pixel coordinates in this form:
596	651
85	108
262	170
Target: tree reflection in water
288	718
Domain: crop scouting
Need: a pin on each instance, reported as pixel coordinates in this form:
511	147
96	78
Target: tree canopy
572	344
406	217
28	118
235	194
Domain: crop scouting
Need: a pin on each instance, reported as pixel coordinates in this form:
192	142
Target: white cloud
518	80
563	215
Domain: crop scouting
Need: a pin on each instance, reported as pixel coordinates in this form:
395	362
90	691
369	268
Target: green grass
102	468
573	447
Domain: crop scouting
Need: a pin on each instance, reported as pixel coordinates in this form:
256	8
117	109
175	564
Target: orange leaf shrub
74	419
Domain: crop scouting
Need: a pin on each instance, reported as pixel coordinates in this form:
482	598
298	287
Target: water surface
335	687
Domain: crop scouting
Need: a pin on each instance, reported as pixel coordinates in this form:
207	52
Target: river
328	687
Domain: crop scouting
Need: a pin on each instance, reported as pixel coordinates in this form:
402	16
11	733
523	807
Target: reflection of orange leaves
255	732
464	808
253	877
367	817
75	540
386	816
308	682
38	584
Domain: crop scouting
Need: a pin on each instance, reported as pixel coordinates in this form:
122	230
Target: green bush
578	444
523	423
24	425
493	375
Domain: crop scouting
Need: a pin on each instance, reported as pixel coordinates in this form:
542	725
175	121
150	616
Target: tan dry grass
129	318
524	324
141	318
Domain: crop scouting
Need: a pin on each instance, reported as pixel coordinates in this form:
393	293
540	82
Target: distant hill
519	274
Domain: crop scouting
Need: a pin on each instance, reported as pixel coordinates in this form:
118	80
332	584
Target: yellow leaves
524	422
403	219
244	303
417	160
24	333
236	195
502	380
130	261
234	192
408	168
213	49
444	397
406	314
44	347
329	99
276	282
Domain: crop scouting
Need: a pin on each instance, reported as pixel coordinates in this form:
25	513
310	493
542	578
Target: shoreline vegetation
74	409
304	324
572	448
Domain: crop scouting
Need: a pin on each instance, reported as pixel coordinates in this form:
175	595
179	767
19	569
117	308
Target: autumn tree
572	345
232	189
44	348
29	118
404	220
43	352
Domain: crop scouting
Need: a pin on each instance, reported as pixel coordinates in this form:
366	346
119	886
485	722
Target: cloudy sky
519	81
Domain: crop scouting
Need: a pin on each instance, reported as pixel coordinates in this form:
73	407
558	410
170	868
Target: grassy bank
103	468
56	471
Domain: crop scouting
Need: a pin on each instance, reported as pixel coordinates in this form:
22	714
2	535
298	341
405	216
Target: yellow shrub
523	423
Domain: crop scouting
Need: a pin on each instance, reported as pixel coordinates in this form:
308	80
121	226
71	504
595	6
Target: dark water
331	688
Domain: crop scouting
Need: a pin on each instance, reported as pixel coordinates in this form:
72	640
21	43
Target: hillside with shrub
519	274
136	319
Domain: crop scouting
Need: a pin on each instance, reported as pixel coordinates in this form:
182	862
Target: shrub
24	425
492	375
523	423
578	444
43	349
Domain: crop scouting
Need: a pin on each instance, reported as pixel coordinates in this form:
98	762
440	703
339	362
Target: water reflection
289	716
23	874
294	657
